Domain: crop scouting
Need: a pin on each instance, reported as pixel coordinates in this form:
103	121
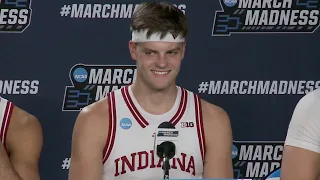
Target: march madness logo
266	16
256	160
90	83
15	15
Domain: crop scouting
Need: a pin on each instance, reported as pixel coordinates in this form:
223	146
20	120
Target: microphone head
167	125
166	149
166	140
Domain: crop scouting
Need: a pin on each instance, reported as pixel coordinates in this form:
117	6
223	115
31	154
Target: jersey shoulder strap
6	109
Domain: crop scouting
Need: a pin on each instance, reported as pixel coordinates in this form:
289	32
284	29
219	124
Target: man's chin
160	86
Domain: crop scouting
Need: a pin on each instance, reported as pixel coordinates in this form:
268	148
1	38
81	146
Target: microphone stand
166	167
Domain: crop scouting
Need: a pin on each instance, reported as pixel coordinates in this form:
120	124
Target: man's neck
154	102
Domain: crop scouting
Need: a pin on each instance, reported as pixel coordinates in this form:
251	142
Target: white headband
141	36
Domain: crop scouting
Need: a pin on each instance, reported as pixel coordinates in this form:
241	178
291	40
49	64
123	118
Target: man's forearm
7	171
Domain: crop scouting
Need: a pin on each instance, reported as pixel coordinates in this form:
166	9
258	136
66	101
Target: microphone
165	144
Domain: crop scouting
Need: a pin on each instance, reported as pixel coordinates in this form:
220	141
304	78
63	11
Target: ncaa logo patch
125	123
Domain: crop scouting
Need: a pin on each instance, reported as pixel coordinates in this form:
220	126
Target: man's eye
172	52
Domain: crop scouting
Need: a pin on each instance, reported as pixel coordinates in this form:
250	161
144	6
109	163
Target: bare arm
6	170
88	141
299	164
218	137
24	143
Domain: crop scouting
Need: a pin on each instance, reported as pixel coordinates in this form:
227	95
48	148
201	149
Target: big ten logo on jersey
19	87
187	124
256	160
15	15
90	83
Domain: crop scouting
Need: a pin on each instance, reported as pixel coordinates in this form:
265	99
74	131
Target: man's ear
133	50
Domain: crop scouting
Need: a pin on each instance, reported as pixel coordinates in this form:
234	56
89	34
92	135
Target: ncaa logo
234	151
230	3
80	75
125	123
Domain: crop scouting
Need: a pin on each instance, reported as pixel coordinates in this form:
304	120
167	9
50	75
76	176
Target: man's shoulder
214	114
23	125
94	116
306	110
92	123
209	109
310	99
96	109
216	125
100	107
303	123
20	118
307	106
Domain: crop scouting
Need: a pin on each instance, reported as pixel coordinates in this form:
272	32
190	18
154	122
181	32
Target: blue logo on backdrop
230	3
125	123
80	74
234	151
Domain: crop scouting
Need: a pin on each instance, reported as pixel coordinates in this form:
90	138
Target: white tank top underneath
129	150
